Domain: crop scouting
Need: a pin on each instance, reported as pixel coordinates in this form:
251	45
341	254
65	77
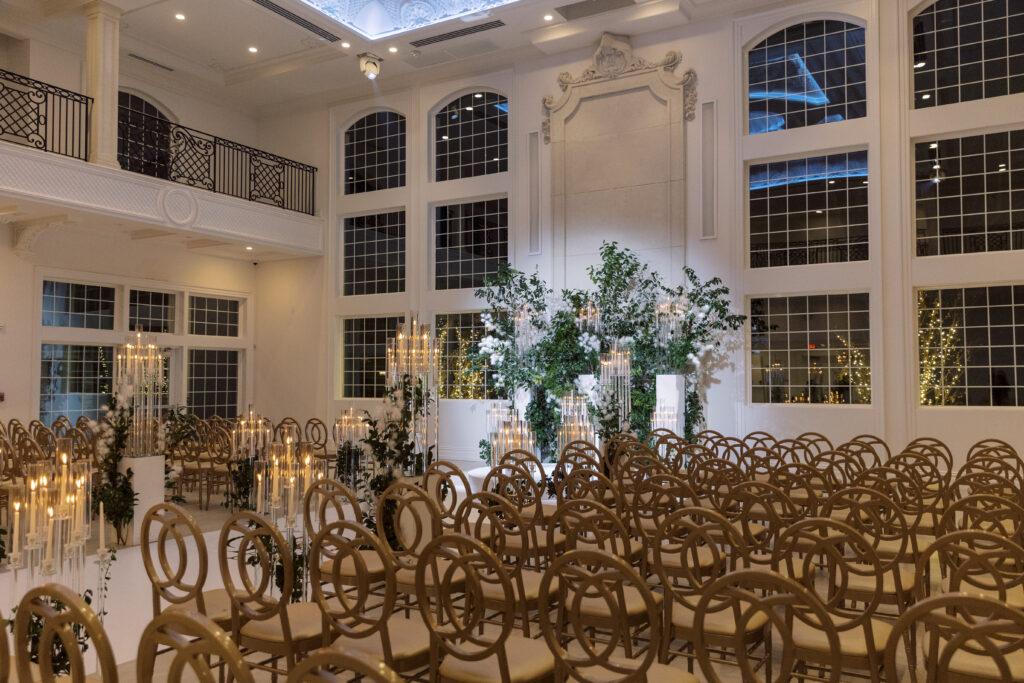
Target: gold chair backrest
529	462
759	511
60	613
174	528
60	426
288	426
333	666
815	441
974	561
876	516
654	498
872	449
459	568
935	449
414	519
254	546
520	486
805	486
448	486
751	593
199	646
585	577
328	501
710	477
588	484
494	521
316	434
759	440
959	627
692	547
841	467
353	602
587	524
984	512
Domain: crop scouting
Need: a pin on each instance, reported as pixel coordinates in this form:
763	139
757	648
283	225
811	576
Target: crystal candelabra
282	478
588	318
506	432
49	518
665	416
140	365
670	312
527	332
349	431
250	435
576	424
616	378
413	356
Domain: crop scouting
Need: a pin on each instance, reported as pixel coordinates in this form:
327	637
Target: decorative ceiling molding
27	233
615	59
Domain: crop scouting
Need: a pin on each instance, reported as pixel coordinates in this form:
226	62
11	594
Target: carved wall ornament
28	233
614	58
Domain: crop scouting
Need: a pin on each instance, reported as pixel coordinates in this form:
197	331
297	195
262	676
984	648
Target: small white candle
103	531
259	493
16	528
49	535
32	508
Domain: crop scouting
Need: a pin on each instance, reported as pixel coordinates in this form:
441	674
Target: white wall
715	49
80	255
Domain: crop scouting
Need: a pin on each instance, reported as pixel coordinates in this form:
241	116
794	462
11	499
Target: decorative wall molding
28	233
79	186
614	58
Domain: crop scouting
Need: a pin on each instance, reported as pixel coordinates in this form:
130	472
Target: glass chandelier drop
616	378
140	365
414	356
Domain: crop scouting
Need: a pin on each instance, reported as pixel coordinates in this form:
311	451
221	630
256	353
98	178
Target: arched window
143	136
968	50
471	136
807	74
375	153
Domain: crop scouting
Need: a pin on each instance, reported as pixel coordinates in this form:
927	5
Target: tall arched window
807	74
143	136
968	50
375	153
471	136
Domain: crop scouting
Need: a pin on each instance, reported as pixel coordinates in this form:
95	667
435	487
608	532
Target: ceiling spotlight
469	108
548	17
369	64
392	49
253	49
934	145
346	45
926	96
444	137
478	95
936	167
248	248
919	65
179	16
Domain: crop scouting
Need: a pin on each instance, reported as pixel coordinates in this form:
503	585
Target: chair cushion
304	618
983	667
705	557
374	566
409	639
657	673
721	622
634	604
531	587
866	583
217	602
853	642
528	660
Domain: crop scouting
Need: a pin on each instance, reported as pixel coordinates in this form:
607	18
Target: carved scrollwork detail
689	95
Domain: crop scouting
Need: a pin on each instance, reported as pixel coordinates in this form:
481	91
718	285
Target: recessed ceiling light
926	96
179	16
478	95
392	49
346	44
495	159
934	145
919	65
936	167
444	137
831	182
818	211
253	49
469	108
248	248
548	17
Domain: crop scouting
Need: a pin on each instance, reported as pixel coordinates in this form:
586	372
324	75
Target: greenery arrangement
627	292
393	449
115	489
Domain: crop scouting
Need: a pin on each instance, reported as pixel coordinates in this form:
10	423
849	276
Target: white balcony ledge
77	186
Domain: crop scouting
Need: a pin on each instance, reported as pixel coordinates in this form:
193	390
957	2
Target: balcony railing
43	116
156	147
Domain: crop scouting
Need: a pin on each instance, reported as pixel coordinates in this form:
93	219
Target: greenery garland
627	292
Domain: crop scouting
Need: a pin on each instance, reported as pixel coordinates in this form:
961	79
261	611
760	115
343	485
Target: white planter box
148	482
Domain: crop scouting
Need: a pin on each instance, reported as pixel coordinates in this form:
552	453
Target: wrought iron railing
160	148
43	116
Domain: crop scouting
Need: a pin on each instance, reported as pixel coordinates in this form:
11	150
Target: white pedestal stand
671	399
148	482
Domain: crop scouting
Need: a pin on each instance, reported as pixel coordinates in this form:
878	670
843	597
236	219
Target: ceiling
298	60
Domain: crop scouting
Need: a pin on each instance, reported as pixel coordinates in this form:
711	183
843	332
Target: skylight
375	19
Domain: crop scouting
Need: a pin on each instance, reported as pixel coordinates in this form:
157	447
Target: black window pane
375	153
471	241
471	137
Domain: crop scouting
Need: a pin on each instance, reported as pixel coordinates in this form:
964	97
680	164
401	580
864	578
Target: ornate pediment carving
614	58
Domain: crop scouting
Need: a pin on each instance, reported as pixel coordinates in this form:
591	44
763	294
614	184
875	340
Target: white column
102	57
